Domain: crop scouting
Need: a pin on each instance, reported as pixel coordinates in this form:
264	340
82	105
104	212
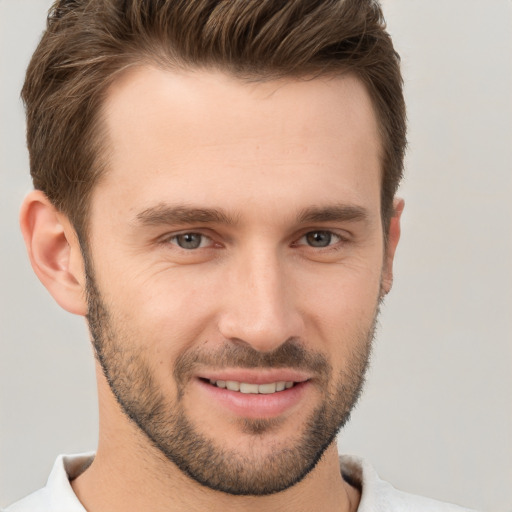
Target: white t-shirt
376	495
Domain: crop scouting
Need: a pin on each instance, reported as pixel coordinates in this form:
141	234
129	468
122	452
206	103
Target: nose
259	306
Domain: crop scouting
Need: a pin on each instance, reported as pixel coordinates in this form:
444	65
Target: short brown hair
87	44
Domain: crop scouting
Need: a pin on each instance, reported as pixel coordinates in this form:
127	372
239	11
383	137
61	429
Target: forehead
198	135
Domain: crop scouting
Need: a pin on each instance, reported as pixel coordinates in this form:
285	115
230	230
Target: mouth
255	394
250	388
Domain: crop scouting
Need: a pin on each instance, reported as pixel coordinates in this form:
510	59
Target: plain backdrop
436	417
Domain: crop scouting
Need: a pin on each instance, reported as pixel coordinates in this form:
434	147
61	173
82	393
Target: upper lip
256	375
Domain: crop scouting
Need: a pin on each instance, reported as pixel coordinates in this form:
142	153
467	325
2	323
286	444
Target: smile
254	394
247	388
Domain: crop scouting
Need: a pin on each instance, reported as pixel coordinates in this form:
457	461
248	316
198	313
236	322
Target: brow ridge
183	214
333	213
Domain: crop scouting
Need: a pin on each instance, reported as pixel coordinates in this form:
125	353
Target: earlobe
392	242
54	252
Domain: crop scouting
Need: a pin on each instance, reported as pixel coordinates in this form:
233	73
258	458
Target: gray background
436	418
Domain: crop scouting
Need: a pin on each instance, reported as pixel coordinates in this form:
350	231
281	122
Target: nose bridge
260	310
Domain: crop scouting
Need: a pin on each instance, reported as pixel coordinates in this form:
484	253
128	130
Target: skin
263	154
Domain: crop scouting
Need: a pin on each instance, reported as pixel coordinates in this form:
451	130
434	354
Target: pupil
319	238
189	240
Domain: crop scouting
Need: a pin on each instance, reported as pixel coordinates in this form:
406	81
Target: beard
164	420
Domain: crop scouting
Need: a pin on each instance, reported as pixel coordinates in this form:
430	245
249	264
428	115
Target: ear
54	252
393	236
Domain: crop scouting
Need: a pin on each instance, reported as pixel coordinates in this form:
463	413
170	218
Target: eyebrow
333	213
182	214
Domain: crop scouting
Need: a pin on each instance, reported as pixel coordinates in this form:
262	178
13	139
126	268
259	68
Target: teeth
244	387
248	388
233	385
266	389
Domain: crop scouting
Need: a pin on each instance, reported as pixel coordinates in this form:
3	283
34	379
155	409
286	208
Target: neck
118	481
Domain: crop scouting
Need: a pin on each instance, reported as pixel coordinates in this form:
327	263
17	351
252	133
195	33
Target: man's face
236	261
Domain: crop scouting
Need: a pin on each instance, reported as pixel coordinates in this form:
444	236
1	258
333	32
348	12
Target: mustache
238	354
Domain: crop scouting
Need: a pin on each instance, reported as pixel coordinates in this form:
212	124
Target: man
215	192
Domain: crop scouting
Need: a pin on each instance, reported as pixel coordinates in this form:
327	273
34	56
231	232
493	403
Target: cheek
340	306
167	311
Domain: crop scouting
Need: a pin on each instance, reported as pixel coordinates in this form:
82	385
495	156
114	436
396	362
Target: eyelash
338	239
204	238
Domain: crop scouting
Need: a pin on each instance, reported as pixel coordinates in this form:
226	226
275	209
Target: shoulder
57	495
38	501
380	496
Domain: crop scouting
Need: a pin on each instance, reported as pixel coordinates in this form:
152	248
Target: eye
320	239
190	241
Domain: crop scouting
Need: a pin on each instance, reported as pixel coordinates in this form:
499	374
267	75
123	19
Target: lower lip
256	406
